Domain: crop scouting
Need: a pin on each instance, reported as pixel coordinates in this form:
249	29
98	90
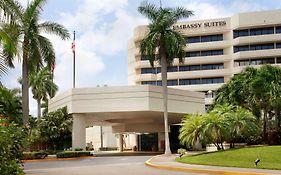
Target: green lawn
270	157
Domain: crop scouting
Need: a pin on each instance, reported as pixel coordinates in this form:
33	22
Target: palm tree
257	90
240	122
192	130
164	45
22	37
42	87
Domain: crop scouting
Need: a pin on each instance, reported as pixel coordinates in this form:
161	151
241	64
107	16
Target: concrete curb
201	171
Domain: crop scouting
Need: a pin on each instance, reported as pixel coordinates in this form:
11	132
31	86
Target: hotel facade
216	49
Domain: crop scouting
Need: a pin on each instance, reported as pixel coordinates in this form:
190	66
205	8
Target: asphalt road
125	165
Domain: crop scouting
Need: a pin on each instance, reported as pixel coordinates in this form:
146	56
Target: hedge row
68	154
34	155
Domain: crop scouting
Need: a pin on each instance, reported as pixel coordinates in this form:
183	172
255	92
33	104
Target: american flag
73	46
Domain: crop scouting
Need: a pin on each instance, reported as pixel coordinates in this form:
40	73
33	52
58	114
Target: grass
270	157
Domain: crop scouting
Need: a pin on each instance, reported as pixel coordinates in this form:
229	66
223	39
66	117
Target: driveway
125	165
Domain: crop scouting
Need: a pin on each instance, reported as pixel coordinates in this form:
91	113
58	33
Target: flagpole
73	50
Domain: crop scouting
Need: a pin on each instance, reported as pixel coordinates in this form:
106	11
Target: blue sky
103	29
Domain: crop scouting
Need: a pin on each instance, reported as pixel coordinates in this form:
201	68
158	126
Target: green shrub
68	154
78	149
53	152
12	139
34	155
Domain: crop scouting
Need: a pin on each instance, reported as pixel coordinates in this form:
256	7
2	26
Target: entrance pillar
121	142
78	132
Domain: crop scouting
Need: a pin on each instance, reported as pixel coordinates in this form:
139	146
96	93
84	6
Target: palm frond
54	28
148	10
47	50
3	67
13	10
180	12
9	37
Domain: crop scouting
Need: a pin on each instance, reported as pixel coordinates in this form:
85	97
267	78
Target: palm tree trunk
25	93
265	126
39	108
165	101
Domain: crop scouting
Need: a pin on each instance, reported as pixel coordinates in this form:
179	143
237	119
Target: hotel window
253	47
172	82
201	81
189	81
278	60
240	33
212	80
262	31
211	66
148	70
172	69
241	48
195	39
262	46
278	45
201	67
208	38
148	82
250	62
157	83
212	52
278	29
194	67
193	54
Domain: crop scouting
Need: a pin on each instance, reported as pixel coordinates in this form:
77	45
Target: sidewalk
169	163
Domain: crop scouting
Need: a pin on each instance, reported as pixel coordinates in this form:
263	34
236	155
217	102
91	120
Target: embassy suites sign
199	25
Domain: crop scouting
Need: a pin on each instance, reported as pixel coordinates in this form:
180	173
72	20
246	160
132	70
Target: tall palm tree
164	45
22	37
42	87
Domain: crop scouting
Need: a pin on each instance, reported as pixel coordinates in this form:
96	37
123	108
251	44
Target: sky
103	28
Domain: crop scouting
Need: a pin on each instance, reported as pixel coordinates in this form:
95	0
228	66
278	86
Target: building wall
214	61
93	136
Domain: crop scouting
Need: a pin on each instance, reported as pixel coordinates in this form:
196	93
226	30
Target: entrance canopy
128	108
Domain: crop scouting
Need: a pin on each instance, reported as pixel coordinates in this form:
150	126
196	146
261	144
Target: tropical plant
241	124
258	90
225	123
42	87
12	140
10	104
192	130
56	127
163	44
21	36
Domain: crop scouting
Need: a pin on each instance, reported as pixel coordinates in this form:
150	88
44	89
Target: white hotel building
216	50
